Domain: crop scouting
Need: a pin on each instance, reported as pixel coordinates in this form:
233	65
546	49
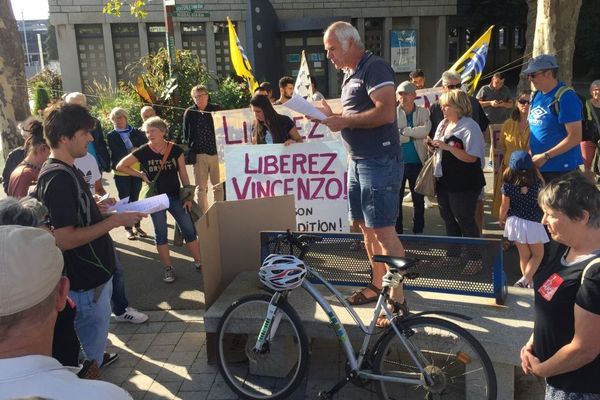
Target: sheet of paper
298	104
150	205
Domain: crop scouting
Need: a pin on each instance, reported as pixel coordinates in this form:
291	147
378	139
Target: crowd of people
68	280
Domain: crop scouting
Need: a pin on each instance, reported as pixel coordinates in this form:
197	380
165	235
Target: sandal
130	234
358	298
140	232
399	309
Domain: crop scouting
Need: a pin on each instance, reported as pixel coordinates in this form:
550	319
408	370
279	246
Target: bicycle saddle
396	264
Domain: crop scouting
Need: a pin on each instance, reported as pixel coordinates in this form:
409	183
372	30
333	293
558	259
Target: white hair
344	32
450	76
76	98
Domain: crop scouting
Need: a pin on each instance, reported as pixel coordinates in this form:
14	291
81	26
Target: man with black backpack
80	229
554	120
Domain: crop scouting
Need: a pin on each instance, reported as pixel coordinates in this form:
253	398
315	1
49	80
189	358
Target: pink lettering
312	134
226	132
241	195
270	165
247	168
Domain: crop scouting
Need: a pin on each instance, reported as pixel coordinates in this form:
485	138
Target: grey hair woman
565	346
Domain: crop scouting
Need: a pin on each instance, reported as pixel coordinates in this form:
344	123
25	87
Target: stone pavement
165	358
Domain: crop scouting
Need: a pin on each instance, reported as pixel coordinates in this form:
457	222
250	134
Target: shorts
373	190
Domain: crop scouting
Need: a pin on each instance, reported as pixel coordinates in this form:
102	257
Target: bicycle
263	350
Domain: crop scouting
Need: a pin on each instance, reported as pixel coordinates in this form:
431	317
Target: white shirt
89	168
42	376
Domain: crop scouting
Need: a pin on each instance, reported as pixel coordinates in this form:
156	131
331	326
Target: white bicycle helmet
282	272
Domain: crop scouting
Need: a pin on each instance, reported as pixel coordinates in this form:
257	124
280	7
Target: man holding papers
368	127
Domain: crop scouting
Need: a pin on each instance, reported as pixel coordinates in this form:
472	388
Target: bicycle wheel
277	370
458	365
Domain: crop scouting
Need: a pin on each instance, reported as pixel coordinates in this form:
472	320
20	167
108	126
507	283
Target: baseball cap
406	87
540	63
520	160
30	267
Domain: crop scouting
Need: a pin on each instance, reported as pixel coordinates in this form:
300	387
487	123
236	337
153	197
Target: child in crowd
521	215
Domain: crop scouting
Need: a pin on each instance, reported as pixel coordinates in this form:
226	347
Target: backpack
588	130
85	203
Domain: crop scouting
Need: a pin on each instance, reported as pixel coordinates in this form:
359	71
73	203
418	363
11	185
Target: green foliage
171	93
104	97
41	97
231	94
49	79
136	8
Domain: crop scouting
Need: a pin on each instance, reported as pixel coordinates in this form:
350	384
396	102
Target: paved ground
165	358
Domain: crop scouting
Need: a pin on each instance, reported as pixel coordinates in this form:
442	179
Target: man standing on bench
368	126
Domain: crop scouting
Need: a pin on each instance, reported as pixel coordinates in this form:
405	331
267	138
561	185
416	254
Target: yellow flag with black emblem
240	62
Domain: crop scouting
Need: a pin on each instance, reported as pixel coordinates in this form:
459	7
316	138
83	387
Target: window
502	33
90	46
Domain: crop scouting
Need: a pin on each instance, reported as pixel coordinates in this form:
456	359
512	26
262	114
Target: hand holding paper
298	104
148	206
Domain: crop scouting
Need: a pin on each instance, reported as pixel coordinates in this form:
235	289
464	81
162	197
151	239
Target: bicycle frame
356	362
272	322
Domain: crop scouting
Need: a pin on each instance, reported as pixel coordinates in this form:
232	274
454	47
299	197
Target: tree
554	24
14	104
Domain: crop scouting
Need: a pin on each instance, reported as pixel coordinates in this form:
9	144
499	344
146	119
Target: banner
315	173
303	87
470	65
240	62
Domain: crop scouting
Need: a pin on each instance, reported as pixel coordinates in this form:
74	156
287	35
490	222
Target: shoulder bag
149	189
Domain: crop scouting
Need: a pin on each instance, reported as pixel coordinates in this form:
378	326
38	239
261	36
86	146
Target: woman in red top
27	171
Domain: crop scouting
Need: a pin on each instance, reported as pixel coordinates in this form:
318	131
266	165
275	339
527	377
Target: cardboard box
229	236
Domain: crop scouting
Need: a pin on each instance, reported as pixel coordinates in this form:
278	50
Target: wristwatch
546	156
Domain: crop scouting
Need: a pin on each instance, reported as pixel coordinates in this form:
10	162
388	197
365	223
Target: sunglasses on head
523	101
455	86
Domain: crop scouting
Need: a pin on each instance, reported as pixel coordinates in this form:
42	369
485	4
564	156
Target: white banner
314	172
234	127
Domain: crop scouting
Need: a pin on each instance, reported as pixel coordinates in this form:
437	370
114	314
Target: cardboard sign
314	173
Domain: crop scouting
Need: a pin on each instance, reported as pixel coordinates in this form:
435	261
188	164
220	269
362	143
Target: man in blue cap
554	120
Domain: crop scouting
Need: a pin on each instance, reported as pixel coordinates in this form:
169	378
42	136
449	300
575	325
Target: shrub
169	94
50	79
231	94
41	97
103	97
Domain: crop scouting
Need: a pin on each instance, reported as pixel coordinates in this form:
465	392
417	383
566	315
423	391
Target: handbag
189	156
425	183
149	188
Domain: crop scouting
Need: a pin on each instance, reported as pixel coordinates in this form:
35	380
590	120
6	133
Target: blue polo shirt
371	74
547	129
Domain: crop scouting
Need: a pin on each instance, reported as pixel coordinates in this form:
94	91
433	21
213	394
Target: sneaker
198	266
89	370
429	203
108	359
132	315
140	232
522	283
169	275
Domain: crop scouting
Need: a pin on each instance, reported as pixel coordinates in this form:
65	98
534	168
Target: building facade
407	33
33	34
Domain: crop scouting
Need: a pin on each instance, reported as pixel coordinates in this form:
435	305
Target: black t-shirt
285	126
168	180
555	321
92	264
459	176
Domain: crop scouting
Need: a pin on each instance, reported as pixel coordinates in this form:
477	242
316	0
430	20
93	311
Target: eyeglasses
535	74
455	86
46	222
523	101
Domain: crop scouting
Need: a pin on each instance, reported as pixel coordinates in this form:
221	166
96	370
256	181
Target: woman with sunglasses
514	136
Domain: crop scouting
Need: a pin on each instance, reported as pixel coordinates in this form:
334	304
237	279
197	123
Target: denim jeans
411	172
373	187
119	299
92	320
182	218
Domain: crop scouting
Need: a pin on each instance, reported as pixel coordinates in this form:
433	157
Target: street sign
188	14
189	7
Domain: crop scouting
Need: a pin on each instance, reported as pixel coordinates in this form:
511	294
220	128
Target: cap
406	87
520	160
540	63
30	267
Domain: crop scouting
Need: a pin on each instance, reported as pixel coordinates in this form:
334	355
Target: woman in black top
121	141
565	345
150	157
270	127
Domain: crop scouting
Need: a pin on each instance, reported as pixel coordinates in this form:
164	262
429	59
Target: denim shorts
181	217
373	190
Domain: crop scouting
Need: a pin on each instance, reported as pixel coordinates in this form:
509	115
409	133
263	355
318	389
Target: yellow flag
470	65
240	62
